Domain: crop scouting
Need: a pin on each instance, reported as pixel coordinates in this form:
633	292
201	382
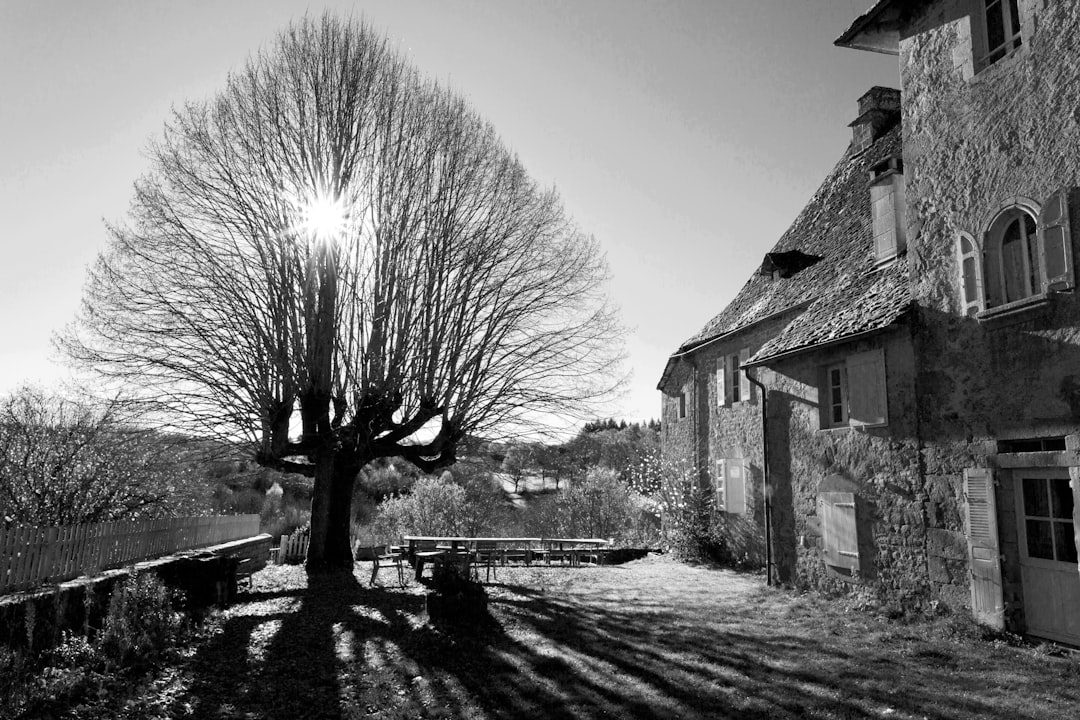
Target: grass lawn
649	639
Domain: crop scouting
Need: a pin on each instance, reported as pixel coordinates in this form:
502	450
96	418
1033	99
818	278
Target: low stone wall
35	619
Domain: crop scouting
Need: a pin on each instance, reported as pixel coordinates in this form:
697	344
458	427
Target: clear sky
685	135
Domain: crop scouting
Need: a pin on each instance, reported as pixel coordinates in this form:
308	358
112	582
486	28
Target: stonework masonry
973	144
976	386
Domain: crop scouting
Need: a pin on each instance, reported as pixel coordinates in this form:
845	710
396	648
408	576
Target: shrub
436	506
141	623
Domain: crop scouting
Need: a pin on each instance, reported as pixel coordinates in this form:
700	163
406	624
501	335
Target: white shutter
969	258
744	381
867	400
720	485
839	529
1055	239
721	385
738	471
987	602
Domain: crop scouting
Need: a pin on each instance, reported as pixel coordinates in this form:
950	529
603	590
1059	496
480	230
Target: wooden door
1048	557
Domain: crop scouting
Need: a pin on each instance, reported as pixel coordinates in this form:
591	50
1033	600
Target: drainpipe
765	489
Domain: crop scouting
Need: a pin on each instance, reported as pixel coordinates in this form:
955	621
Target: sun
323	216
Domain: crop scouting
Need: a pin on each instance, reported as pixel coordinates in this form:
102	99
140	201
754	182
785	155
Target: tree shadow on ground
341	651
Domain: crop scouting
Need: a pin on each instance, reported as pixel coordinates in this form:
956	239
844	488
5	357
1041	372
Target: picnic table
443	548
573	549
498	550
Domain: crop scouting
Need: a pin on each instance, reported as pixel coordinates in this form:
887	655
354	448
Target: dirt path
650	639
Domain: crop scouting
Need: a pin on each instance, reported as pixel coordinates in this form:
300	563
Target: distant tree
487	509
517	462
65	461
336	244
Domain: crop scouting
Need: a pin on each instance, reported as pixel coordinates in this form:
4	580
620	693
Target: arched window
1014	238
1026	252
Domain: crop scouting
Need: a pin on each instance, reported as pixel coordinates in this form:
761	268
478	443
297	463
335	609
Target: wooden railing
34	555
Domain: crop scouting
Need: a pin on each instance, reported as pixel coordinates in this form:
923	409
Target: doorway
1048	557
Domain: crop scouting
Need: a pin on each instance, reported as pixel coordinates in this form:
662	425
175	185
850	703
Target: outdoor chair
538	553
486	553
383	556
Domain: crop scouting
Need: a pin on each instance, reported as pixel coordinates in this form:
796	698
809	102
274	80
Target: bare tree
338	260
65	461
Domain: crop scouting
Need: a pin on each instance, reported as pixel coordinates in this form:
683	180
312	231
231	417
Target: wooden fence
33	555
293	548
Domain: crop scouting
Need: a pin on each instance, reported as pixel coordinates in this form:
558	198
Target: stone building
917	334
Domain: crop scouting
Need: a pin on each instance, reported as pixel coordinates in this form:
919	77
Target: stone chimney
879	110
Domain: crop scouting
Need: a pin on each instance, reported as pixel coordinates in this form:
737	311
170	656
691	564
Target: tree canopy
336	260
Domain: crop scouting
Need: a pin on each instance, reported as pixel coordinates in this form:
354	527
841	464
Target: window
1046	504
1001	23
836	394
1021	257
853	391
732	385
888	208
839	529
729	484
736	386
682	405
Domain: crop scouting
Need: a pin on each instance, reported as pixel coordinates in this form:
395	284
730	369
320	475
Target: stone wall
974	143
898	540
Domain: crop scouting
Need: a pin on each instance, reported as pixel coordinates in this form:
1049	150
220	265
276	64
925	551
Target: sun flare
323	216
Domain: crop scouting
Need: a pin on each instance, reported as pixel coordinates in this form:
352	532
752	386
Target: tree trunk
330	548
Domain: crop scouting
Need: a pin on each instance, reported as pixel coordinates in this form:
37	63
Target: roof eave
854	337
876	30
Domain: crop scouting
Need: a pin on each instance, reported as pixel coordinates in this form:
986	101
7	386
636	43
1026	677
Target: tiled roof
835	225
870	302
844	293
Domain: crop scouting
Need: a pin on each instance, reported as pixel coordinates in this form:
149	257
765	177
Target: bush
141	623
140	629
436	506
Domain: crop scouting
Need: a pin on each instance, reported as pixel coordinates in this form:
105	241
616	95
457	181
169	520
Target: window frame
863	390
1012	23
840	386
732	385
1046	256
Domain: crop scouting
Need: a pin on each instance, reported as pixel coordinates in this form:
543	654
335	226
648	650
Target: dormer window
888	208
782	265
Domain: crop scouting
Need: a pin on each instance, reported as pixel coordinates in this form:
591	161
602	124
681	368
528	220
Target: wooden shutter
744	381
883	212
969	258
839	529
987	603
867	400
721	385
720	485
1055	240
737	471
993	282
